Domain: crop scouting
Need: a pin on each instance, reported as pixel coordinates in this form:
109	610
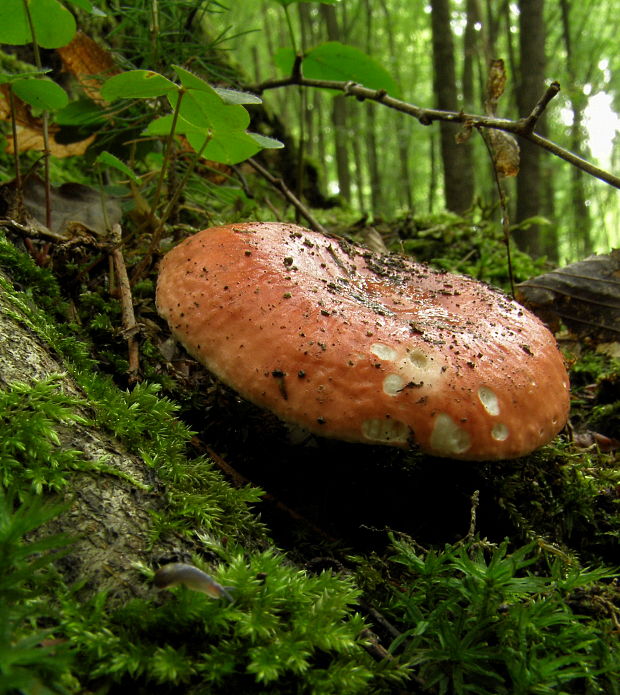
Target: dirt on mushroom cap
363	347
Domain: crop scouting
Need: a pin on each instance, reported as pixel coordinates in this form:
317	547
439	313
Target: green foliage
32	458
482	620
286	631
473	245
214	123
336	61
27	665
42	93
53	24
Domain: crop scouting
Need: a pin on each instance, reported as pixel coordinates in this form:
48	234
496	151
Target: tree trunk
582	224
458	170
339	114
530	195
109	516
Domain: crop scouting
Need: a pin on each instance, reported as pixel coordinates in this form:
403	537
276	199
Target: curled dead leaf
506	152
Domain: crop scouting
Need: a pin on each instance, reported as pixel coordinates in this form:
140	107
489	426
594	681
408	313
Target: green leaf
191	81
284	59
88	6
232	96
111	160
82	112
14	28
137	84
54	25
162	126
41	93
286	3
8	78
266	142
336	61
226	145
204	108
227	148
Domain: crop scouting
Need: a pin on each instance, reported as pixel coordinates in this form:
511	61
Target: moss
469	614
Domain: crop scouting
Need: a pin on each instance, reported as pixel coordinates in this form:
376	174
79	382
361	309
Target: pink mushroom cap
362	347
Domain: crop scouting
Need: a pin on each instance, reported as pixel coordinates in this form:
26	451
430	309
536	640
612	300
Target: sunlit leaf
41	93
228	148
14	28
205	109
54	25
266	142
137	84
191	81
284	58
111	160
232	96
336	61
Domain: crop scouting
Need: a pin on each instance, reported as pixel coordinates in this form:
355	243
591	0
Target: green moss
478	618
285	632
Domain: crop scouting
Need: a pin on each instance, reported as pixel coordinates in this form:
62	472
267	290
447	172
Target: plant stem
46	142
167	154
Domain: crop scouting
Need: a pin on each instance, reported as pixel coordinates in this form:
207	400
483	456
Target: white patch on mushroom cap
447	437
393	384
419	359
500	432
489	400
384	430
383	352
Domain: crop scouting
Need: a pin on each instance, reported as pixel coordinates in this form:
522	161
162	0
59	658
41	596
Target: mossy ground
462	568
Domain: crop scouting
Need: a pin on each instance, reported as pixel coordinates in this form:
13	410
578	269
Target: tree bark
582	223
458	169
339	114
530	184
109	517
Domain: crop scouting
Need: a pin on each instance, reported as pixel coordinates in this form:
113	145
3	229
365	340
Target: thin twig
552	90
289	195
427	116
505	215
130	327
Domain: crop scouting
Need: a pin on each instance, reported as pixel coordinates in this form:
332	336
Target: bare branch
289	195
522	128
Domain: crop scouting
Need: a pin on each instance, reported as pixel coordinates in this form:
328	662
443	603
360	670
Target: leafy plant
482	619
285	631
30	657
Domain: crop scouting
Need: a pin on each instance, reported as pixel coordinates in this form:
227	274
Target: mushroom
364	347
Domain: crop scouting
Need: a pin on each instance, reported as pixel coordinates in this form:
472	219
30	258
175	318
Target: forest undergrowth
351	568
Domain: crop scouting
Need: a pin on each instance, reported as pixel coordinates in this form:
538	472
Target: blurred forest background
438	55
128	125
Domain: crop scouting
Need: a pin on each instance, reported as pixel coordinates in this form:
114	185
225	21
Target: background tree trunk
339	113
530	86
458	170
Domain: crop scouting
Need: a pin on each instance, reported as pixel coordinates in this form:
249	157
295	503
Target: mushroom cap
362	347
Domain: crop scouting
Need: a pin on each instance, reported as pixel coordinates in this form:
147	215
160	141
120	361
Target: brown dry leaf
505	152
584	295
90	63
30	130
72	204
496	83
32	139
464	133
22	110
